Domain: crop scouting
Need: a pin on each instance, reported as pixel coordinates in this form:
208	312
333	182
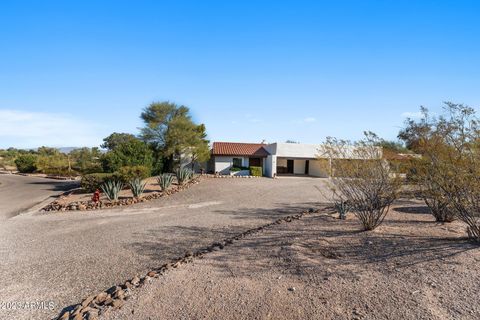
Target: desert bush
86	160
183	175
450	170
433	196
93	181
26	163
112	188
128	173
137	186
364	182
165	180
256	171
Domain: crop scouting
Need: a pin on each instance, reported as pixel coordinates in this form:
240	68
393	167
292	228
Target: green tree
53	162
26	163
86	160
172	134
115	139
128	151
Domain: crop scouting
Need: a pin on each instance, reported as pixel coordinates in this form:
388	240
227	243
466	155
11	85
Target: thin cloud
25	129
309	119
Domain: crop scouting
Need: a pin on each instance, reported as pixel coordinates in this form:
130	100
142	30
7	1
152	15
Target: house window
237	162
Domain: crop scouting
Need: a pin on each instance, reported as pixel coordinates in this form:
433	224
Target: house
228	155
274	158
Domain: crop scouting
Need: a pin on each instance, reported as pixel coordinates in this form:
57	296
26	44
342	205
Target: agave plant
137	186
342	207
112	188
183	175
165	180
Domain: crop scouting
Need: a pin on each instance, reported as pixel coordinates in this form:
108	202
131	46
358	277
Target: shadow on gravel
320	245
282	209
166	243
413	209
57	185
169	242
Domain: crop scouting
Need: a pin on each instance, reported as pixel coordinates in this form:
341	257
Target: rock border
89	205
114	298
226	176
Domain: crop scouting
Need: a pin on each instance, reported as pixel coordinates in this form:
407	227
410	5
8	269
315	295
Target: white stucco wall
270	169
316	169
297	150
307	151
224	163
299	166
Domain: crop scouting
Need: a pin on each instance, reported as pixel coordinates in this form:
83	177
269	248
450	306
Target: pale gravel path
65	257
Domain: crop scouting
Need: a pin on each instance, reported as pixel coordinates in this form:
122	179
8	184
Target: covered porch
302	166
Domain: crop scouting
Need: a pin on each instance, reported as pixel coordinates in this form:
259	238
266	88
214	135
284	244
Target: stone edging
114	298
104	204
218	176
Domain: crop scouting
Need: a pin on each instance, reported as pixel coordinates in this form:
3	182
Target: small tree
26	163
125	150
362	178
450	170
172	134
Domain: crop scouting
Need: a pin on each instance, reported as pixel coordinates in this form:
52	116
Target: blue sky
72	72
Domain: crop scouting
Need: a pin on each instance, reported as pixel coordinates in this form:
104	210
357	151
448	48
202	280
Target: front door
255	162
290	166
307	166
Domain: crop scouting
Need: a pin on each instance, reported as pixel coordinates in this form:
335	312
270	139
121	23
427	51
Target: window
237	162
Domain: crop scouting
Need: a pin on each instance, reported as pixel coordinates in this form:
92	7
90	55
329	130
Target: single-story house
274	158
228	155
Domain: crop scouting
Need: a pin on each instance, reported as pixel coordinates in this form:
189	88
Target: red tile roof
239	149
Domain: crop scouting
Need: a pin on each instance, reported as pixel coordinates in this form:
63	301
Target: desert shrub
183	175
450	168
236	169
128	173
165	180
112	188
256	171
137	186
440	208
433	196
365	182
86	160
93	181
26	163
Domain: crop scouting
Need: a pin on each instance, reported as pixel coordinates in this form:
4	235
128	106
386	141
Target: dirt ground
323	268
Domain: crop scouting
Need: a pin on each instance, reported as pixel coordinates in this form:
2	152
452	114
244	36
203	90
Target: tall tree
172	133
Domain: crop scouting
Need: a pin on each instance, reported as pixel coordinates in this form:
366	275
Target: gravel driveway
64	257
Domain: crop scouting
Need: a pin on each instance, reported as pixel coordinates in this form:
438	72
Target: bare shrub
362	178
450	168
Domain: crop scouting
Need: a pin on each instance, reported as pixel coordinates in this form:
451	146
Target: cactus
183	175
342	207
137	186
112	188
165	180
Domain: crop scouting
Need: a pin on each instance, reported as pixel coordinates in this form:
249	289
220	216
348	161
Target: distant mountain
67	150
